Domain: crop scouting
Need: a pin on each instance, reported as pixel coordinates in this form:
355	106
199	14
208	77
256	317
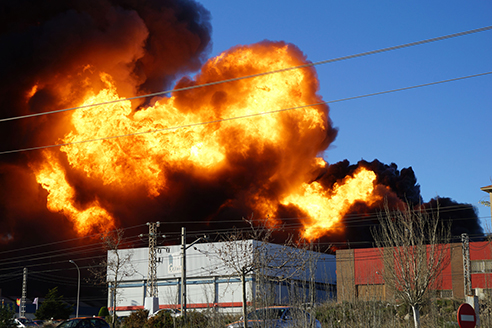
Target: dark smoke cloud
463	217
144	43
404	188
61	47
403	183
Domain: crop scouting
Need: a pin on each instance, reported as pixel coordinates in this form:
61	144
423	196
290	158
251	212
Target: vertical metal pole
312	274
152	290
78	288
216	292
24	292
244	298
183	272
489	190
466	264
113	297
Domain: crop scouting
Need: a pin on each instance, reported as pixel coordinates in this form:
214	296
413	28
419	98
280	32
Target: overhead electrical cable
9	277
349	220
296	227
66	252
362	54
67	240
245	116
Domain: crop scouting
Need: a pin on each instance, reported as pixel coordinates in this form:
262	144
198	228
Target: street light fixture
184	247
78	288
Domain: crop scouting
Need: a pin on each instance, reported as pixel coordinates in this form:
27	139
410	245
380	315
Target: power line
246	116
66	252
14	276
66	240
353	221
362	54
349	220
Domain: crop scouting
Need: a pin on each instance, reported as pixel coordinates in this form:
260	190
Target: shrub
103	312
193	319
161	320
136	320
7	316
53	307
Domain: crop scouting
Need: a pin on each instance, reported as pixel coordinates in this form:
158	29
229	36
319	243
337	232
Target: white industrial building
212	282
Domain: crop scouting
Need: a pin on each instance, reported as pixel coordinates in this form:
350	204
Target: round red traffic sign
466	316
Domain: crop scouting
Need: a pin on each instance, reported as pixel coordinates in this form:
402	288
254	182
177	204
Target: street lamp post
184	247
78	288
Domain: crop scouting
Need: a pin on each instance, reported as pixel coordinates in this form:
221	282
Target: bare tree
249	252
115	268
485	202
414	246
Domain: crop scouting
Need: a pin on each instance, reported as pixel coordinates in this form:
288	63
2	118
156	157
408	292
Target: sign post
466	316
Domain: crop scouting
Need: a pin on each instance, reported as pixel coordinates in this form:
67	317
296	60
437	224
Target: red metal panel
368	266
481	280
445	279
481	250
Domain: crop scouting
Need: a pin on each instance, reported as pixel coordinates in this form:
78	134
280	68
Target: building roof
487	189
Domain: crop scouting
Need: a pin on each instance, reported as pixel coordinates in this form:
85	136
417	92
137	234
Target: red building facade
359	273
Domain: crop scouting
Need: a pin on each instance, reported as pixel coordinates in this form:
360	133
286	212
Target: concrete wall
346	290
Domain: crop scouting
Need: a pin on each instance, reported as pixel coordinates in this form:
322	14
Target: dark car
89	322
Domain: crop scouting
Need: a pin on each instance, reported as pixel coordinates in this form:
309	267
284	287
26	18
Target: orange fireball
144	148
326	209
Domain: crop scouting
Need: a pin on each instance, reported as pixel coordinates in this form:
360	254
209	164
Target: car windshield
69	323
267	314
98	323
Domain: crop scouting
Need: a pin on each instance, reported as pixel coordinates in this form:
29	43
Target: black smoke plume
463	218
61	47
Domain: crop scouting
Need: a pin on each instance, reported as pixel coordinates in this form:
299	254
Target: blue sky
442	131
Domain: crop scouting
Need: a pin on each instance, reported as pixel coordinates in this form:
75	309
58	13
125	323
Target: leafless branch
414	246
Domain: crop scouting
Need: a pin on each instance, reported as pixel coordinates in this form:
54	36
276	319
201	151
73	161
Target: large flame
169	136
61	198
326	208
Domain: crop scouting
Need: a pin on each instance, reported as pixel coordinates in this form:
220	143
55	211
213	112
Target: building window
481	266
444	293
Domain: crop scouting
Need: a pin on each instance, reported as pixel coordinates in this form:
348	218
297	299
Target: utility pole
151	299
465	243
22	308
183	271
469	297
152	279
